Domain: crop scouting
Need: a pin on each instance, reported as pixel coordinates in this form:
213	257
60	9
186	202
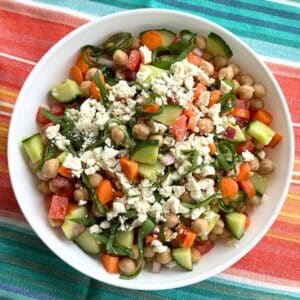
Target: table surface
28	270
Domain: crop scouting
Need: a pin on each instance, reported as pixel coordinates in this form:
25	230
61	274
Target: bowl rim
109	279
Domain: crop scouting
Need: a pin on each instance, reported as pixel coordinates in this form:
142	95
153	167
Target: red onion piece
230	132
130	75
156	267
241	122
78	229
168	159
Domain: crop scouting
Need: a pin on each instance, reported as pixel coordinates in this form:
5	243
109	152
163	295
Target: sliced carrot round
76	74
229	187
152	39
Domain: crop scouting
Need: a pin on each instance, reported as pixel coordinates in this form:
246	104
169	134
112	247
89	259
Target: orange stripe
8	95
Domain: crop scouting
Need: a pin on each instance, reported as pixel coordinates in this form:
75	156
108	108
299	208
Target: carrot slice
248	187
189	111
149	238
263	116
229	187
76	74
189	239
130	168
244	172
81	64
241	113
275	140
194	59
248	221
66	172
105	191
95	92
110	263
151	108
214	97
199	89
152	39
212	148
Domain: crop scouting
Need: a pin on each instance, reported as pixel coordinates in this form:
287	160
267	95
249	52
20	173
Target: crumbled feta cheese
156	127
52	131
203	99
95	229
247	155
157	211
208	171
82	202
123	90
160	89
105	225
197	212
73	163
158	247
261	154
146	55
224	87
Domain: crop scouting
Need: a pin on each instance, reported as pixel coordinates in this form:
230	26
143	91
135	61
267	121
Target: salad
153	149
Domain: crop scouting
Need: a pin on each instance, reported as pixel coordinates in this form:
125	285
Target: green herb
132	275
86	221
97	144
49	153
186	38
227	208
122	41
228	102
227	156
101	208
92	50
103	92
200	204
101	238
131	213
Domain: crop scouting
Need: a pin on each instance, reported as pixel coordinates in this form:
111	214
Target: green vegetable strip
54	118
227	156
132	275
144	230
122	41
202	203
186	39
103	92
228	102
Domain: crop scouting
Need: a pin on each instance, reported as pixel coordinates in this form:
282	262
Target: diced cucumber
259	182
87	243
145	152
66	92
34	147
168	180
149	171
62	156
169	114
167	36
239	134
125	238
68	226
236	223
183	257
149	72
217	46
212	220
261	132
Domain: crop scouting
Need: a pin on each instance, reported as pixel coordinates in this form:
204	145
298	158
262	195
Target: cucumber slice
239	135
259	182
217	46
149	72
66	92
261	132
169	114
87	243
212	220
34	147
62	156
167	36
183	257
145	152
125	238
148	171
236	223
68	226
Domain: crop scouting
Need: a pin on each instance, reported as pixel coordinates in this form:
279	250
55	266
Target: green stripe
11	295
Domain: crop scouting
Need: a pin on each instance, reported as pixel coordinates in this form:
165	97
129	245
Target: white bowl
54	67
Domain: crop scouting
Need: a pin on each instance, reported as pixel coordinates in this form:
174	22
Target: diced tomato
40	118
58	109
48	200
241	147
58	207
242	104
204	246
177	38
134	60
178	129
62	186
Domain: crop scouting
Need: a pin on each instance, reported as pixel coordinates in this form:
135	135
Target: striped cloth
28	270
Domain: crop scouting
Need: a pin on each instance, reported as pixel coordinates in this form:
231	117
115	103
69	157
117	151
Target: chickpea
207	56
90	74
81	194
85	88
135	250
206	125
44	187
246	79
157	137
266	166
199	226
140	131
172	220
245	92
95	179
120	58
254	201
256	103
259	90
196	255
117	135
236	69
219	228
220	62
200	42
163	258
207	67
41	176
135	44
215	206
168	233
236	86
186	197
254	164
127	265
148	252
50	168
226	73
